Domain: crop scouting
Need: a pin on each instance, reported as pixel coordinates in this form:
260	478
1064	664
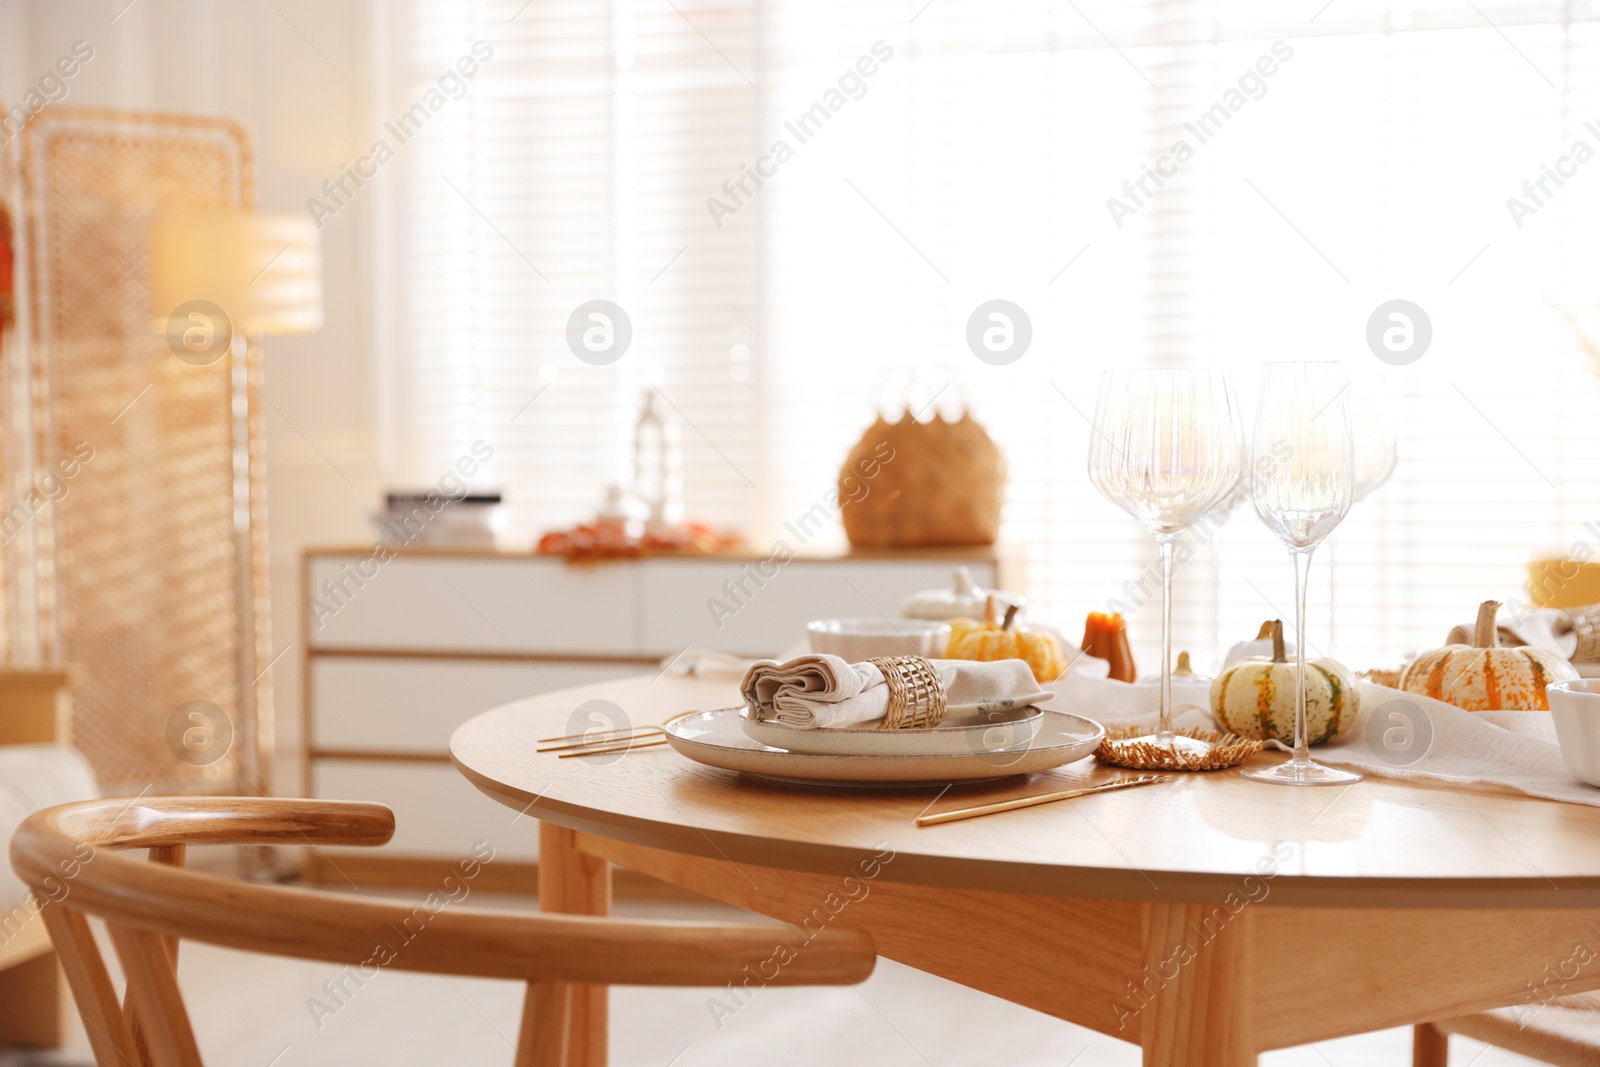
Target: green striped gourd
1254	698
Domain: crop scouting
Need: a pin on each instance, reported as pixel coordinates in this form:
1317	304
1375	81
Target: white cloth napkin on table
822	692
704	662
1114	704
1396	735
696	662
1403	735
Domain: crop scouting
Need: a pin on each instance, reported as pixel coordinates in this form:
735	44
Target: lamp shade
263	271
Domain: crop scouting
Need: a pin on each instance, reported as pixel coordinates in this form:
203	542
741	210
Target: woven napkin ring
1586	625
916	695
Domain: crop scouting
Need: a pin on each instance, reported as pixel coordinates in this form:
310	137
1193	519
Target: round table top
1200	837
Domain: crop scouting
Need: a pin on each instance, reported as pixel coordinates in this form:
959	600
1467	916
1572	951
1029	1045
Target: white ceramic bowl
859	639
1575	707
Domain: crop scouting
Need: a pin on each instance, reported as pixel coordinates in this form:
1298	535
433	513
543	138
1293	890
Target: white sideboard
401	652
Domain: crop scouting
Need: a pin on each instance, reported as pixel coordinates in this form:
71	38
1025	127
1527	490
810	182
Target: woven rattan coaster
1381	676
1227	750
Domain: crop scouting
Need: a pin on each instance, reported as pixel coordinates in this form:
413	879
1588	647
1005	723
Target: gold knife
1042	798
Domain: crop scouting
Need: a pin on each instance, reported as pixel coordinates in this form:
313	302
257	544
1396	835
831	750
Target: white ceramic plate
987	731
717	739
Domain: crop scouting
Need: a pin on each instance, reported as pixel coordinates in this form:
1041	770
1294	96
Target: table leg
1430	1046
573	883
1196	1004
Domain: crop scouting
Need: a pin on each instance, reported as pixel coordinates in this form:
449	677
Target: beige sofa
38	768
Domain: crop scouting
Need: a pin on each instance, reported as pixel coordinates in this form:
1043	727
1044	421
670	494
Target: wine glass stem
1164	728
1302	570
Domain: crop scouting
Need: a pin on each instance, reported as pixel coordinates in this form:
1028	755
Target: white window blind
574	168
975	162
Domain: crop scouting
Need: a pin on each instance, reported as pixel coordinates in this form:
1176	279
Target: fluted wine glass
1302	481
1167	447
1376	452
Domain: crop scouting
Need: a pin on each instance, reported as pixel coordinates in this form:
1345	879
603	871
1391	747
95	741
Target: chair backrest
69	856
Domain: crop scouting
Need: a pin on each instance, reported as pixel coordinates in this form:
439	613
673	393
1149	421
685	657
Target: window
967	151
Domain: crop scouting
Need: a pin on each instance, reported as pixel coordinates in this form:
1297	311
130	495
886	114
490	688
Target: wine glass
1168	446
1375	450
1376	454
1302	464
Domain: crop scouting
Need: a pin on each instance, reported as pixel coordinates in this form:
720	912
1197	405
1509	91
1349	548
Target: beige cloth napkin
1396	735
1541	628
827	692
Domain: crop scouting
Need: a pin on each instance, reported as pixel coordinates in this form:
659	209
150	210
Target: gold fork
603	742
1042	798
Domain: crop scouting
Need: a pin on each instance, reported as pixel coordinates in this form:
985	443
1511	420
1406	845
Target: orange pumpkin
994	639
1483	676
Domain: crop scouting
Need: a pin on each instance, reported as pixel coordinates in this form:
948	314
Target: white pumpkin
1254	698
1260	647
963	600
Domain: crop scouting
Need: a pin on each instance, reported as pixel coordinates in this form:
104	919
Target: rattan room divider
144	570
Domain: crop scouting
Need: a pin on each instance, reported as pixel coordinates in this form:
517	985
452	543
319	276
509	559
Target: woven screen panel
145	589
13	480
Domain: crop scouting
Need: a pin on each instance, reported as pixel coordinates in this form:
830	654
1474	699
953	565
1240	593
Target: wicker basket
934	483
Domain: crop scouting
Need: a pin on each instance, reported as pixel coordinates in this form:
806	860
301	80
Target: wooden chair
1565	1032
69	856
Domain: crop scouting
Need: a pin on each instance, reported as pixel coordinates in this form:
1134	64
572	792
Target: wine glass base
1177	743
1307	773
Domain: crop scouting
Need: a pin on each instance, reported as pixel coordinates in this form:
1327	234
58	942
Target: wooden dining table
1206	919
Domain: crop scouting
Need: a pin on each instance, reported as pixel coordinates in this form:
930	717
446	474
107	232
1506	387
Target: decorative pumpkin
1254	698
994	639
1483	676
962	600
922	483
1184	673
1260	647
1106	637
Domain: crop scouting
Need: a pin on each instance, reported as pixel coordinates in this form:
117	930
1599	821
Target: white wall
295	73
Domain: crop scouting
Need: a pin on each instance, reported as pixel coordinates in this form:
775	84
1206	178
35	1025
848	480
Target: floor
253	1011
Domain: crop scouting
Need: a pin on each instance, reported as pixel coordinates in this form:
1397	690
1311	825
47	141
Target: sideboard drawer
395	704
401	653
437	812
740	606
466	604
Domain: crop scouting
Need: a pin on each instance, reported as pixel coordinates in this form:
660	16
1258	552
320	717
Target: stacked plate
981	747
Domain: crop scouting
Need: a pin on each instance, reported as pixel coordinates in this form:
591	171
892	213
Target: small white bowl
858	639
1575	707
